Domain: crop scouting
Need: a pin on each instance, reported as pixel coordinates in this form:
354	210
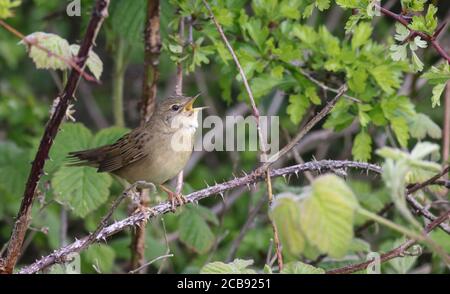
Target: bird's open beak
189	105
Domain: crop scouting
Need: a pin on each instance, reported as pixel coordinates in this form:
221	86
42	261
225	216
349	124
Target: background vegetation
296	54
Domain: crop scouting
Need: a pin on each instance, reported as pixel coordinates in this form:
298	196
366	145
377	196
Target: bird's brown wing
126	150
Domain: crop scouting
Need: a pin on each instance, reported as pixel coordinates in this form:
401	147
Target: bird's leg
136	190
174	197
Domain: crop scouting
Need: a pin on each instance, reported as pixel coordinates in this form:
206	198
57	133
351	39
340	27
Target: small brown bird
154	152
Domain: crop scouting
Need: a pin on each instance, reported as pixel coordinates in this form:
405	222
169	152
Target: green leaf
400	127
362	147
71	137
359	245
238	266
127	19
194	231
327	215
438	75
101	256
322	4
421	125
401	31
361	34
54	44
437	93
82	188
108	136
94	63
6	6
264	84
14	166
386	78
394	176
417	63
431	19
298	105
285	213
298	267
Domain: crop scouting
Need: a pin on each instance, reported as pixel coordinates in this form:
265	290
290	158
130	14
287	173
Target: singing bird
154	152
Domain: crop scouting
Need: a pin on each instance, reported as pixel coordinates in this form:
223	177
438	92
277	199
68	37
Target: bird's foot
176	199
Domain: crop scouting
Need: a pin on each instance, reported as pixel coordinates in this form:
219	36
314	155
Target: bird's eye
175	107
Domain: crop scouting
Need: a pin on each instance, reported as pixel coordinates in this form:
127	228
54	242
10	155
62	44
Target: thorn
439	30
296	173
248	186
284	177
222	196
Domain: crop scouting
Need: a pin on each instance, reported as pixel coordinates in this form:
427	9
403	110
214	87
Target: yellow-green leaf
327	215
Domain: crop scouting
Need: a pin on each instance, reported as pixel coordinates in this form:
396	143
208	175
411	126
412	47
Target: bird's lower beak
189	105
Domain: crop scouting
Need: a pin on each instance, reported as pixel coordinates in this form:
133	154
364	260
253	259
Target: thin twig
23	217
317	118
50	53
149	263
137	218
251	217
255	111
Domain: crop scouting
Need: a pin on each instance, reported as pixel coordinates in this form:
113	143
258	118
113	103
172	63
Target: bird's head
178	112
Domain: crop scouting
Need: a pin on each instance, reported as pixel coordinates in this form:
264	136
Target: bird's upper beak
190	103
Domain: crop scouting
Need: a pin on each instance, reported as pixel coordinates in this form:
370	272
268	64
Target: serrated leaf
398	52
82	188
361	34
298	105
362	147
94	63
327	215
108	136
322	4
437	93
194	231
402	32
423	149
6	6
386	78
400	127
421	125
238	266
417	63
285	213
297	267
71	137
54	44
14	166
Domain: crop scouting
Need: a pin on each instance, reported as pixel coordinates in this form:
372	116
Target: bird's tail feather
90	157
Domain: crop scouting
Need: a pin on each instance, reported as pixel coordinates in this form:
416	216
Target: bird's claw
176	199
